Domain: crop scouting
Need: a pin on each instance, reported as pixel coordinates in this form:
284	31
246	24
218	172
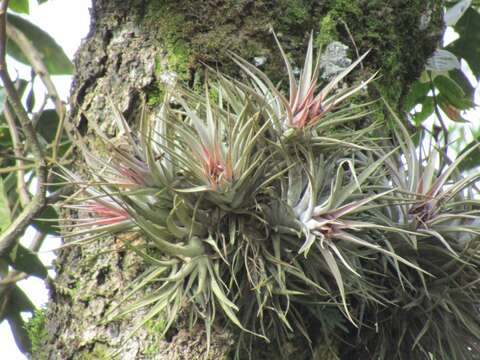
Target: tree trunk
132	43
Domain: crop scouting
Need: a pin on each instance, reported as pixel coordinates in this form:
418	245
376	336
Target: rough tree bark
130	45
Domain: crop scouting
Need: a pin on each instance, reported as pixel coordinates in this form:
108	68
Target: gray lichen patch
334	60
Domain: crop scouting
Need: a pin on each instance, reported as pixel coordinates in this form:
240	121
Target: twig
17	150
10	235
8	154
9	169
37	241
13	277
35	59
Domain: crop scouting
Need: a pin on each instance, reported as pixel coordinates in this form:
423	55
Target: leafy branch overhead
32	144
444	98
271	209
445	89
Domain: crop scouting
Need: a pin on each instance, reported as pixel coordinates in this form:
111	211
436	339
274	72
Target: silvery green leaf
453	14
442	60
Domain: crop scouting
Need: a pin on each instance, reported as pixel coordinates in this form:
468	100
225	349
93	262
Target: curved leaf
473	159
56	61
453	14
47	124
466	46
17	303
22	259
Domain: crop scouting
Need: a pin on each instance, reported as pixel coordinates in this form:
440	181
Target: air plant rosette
279	215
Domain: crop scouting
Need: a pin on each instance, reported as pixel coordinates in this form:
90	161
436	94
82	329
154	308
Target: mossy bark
130	45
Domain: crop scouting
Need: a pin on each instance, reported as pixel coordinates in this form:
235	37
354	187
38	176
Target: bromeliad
272	234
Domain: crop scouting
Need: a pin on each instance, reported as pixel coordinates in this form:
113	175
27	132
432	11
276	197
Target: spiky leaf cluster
277	215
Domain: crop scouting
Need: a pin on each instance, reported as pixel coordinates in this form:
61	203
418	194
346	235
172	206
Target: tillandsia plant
347	237
307	104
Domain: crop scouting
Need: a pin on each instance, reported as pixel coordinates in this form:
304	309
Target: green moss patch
36	330
392	30
195	32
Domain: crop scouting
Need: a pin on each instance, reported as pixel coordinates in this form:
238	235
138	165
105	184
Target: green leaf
448	87
18	302
473	159
47	124
466	46
5	143
10	190
19	6
47	221
56	61
5	216
427	110
417	94
3	268
450	110
460	79
452	92
22	259
20	335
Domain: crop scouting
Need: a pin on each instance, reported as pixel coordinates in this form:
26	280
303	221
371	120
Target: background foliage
32	46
